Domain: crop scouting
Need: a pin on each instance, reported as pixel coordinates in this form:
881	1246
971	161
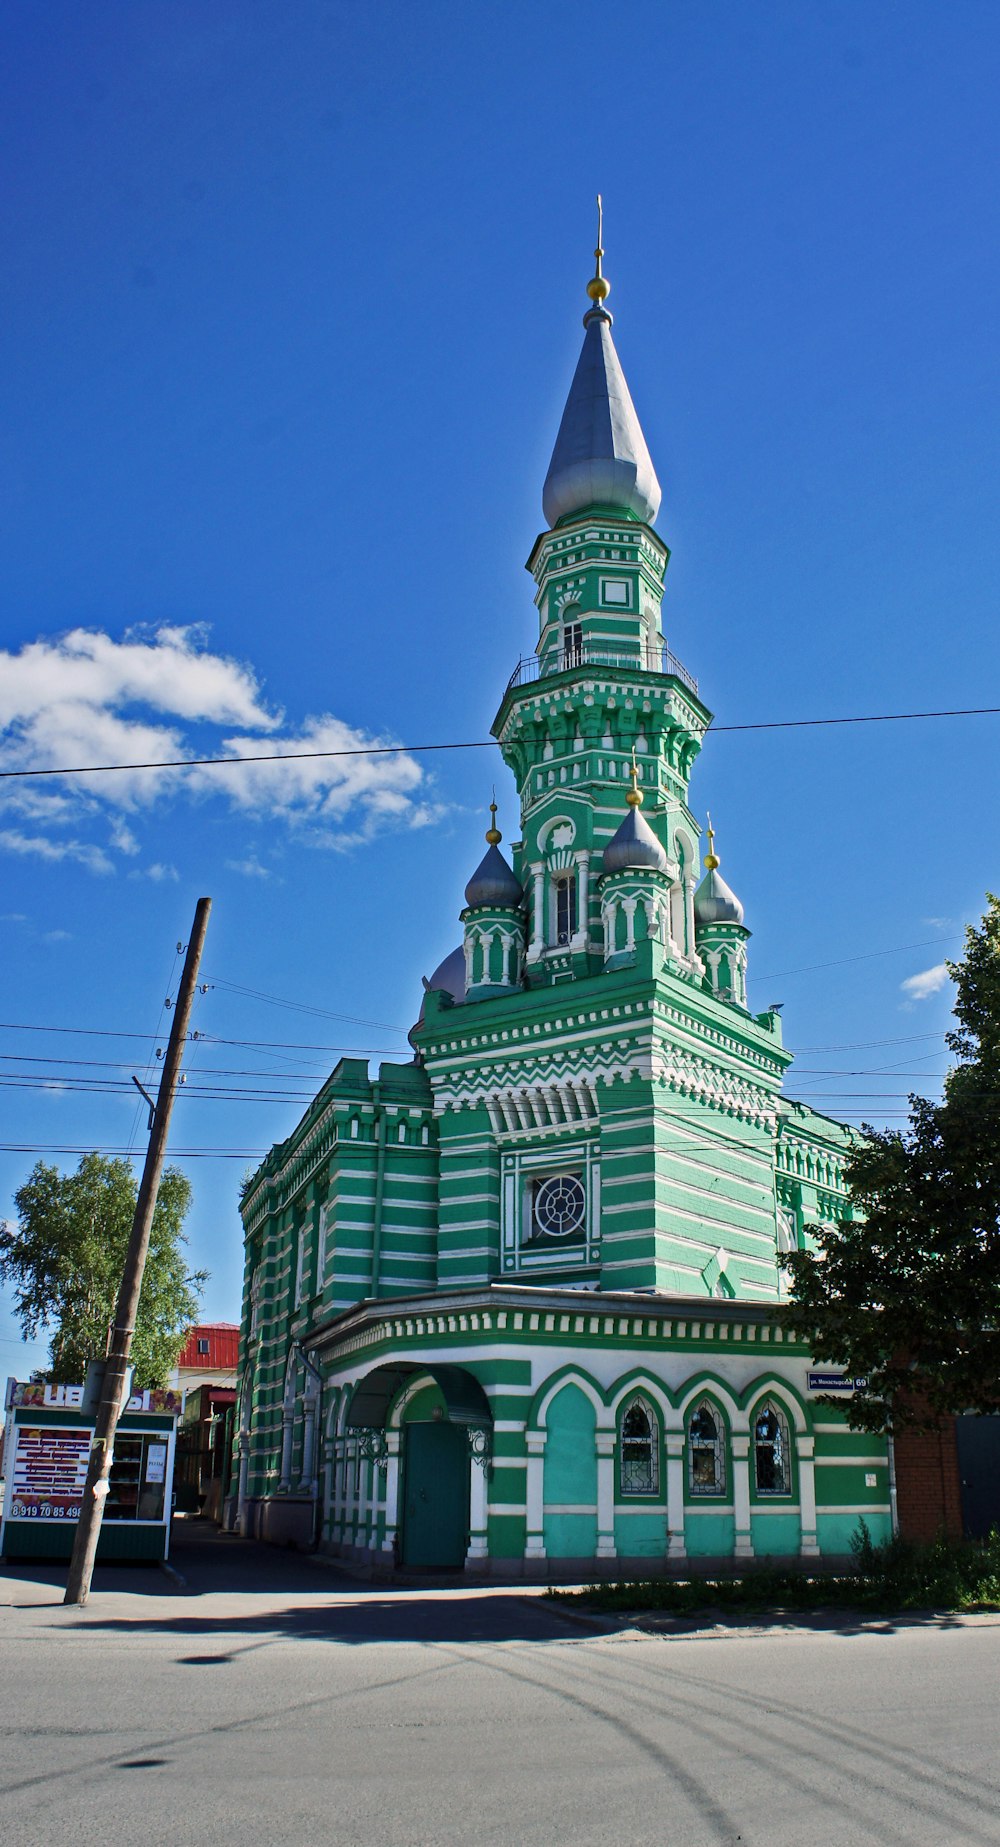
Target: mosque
508	1308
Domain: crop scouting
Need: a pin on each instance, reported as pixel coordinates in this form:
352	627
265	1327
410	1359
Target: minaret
493	923
602	698
720	932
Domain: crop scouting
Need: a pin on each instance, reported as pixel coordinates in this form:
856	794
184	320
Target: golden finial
711	857
493	834
598	288
634	796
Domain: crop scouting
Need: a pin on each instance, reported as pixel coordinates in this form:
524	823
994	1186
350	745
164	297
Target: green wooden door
436	1496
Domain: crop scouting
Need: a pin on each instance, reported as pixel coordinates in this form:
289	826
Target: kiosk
46	1450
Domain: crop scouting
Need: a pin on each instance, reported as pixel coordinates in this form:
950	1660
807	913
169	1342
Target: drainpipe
379	1189
893	1504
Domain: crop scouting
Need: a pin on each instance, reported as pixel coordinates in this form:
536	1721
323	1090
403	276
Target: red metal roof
223	1345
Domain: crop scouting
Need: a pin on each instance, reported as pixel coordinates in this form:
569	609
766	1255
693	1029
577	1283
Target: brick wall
928	1489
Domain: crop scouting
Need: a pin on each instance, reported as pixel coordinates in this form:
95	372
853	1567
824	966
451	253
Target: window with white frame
615	591
772	1455
640	1450
558	1206
706	1452
564	889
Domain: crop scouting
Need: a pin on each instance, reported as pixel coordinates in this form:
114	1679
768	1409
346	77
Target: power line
869	956
412	750
276	1000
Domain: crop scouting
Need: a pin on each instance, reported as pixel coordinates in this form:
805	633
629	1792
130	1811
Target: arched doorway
445	1426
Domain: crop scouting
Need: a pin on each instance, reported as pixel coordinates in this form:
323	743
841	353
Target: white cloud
158	872
57	936
85	699
94	858
250	867
928	982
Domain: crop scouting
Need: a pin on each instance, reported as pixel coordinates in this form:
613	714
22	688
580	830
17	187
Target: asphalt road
276	1700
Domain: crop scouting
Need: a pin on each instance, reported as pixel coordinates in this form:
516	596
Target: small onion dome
493	883
714	903
449	976
634	845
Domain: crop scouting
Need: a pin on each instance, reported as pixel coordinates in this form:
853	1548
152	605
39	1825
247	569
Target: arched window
771	1452
706	1452
640	1450
572	636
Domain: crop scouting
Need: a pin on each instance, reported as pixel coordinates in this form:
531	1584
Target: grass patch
953	1575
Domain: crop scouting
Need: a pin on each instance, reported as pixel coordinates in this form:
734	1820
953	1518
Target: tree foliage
906	1295
64	1259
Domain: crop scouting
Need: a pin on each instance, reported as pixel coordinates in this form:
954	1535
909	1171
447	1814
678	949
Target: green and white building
510	1306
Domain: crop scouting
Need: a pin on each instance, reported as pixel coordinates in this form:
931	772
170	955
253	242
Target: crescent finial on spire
711	857
634	796
599	288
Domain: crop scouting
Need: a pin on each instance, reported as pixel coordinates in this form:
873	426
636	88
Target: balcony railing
590	654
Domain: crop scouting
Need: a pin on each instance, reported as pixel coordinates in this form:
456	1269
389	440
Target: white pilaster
741	1497
807	1495
605	1444
478	1499
676	1544
537	943
535	1494
392	1438
582	898
689	889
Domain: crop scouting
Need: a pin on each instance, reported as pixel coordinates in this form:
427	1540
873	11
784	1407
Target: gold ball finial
493	834
711	857
634	796
599	288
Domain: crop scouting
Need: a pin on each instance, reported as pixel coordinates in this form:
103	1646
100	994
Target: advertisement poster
48	1474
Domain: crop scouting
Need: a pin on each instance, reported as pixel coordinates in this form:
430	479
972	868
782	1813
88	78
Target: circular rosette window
560	1206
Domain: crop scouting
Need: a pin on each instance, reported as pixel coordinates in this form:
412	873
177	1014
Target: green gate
435	1496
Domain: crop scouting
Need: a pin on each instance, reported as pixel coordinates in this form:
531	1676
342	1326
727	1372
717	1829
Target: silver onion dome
714	903
634	846
600	457
493	883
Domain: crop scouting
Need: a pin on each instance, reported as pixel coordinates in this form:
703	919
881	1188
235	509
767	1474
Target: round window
560	1205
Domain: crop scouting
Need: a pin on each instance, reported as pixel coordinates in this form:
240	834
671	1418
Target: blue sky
290	299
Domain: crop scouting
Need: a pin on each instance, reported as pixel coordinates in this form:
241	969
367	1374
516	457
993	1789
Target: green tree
906	1295
64	1258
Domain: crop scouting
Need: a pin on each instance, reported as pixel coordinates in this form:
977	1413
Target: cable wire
412	750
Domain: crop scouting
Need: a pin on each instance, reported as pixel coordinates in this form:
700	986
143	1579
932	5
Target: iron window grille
772	1457
640	1450
559	1206
565	910
706	1453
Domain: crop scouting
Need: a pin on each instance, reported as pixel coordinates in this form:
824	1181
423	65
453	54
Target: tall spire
600	457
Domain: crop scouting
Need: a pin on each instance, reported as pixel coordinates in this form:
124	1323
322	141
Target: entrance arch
436	1465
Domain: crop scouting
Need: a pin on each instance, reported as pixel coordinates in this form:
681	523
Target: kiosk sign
49	1473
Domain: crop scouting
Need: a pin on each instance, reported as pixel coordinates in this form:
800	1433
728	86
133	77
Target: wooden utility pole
95	1492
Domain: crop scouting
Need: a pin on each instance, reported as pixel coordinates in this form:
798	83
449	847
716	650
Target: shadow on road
230	1586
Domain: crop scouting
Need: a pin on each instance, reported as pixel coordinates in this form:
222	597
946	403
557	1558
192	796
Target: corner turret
720	932
493	920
